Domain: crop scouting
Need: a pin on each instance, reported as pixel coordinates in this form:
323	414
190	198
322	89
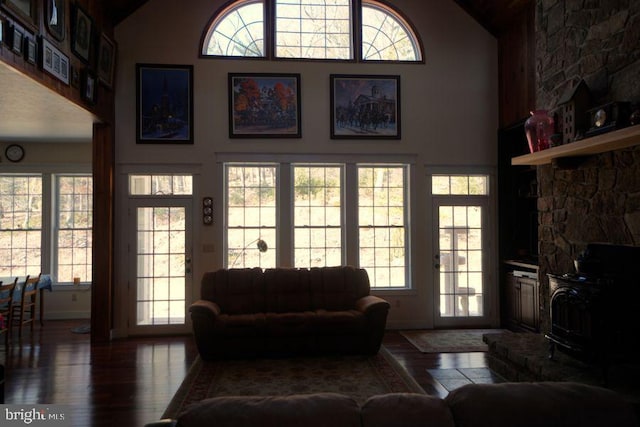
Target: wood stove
594	311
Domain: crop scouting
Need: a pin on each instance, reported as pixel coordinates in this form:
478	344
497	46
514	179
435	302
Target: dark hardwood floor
129	382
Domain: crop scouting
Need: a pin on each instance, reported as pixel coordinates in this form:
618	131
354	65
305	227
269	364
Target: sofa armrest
371	303
205	307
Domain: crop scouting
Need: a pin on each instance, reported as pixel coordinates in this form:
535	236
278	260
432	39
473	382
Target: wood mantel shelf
614	140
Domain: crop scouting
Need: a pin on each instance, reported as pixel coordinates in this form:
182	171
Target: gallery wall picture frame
25	11
164	104
31	50
106	61
365	106
17	40
264	105
89	88
54	61
82	34
2	25
55	18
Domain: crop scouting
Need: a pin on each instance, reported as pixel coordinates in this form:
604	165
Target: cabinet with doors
522	302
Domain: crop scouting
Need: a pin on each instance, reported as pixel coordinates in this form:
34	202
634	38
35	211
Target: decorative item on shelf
207	210
538	128
571	119
260	244
608	117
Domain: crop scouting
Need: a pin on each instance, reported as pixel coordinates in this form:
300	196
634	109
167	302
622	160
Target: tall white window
382	224
317	216
312	29
251	215
73	228
20	225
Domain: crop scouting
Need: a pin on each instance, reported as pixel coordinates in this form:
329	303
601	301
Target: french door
460	264
160	256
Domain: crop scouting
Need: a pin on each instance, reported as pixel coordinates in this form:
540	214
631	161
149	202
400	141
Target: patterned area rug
356	376
449	340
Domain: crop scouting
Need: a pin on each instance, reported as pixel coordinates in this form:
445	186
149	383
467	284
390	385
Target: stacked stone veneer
598	198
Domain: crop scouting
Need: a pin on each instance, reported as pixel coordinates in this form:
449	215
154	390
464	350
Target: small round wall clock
14	153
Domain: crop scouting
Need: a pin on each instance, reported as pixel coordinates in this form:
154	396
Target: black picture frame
106	61
365	106
82	34
264	105
30	50
55	18
164	104
89	89
53	61
17	40
25	11
2	27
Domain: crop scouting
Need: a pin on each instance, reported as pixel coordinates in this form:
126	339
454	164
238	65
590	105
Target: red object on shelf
539	128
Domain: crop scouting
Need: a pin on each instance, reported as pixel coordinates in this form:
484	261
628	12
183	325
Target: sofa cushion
293	323
236	291
287	290
337	288
561	404
240	324
314	410
337	322
406	409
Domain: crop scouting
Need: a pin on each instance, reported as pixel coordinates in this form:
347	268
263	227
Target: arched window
312	29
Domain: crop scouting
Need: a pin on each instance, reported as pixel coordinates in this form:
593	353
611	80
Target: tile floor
450	379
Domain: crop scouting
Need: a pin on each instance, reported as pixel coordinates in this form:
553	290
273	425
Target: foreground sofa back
547	404
249	312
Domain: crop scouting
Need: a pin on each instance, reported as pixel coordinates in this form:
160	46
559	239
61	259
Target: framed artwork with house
365	107
164	99
264	105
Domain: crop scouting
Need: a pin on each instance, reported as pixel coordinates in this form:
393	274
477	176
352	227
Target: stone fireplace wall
595	199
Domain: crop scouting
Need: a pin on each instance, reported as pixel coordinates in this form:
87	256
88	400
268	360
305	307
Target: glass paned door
460	264
162	260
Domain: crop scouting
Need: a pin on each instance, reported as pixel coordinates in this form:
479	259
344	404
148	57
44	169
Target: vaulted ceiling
31	111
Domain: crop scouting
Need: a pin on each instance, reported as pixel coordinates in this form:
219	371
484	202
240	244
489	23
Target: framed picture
164	104
88	89
106	60
264	105
55	18
54	61
82	31
365	107
17	40
30	50
26	11
1	31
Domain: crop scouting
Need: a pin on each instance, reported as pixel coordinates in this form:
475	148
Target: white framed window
20	225
160	185
73	228
251	217
319	214
382	224
318	231
312	29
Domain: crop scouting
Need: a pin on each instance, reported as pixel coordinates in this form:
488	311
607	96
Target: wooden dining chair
24	311
6	303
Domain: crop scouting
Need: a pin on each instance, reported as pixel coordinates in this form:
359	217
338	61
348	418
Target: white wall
449	117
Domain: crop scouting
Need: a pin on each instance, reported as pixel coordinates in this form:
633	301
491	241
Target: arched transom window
312	29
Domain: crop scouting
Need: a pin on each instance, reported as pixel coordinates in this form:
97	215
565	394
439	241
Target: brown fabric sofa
250	312
546	404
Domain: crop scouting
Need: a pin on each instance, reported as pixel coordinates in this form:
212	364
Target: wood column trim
103	232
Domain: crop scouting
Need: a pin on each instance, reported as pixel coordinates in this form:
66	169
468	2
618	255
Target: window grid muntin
254	29
160	185
306	178
73	228
20	225
460	185
403	49
384	260
249	221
